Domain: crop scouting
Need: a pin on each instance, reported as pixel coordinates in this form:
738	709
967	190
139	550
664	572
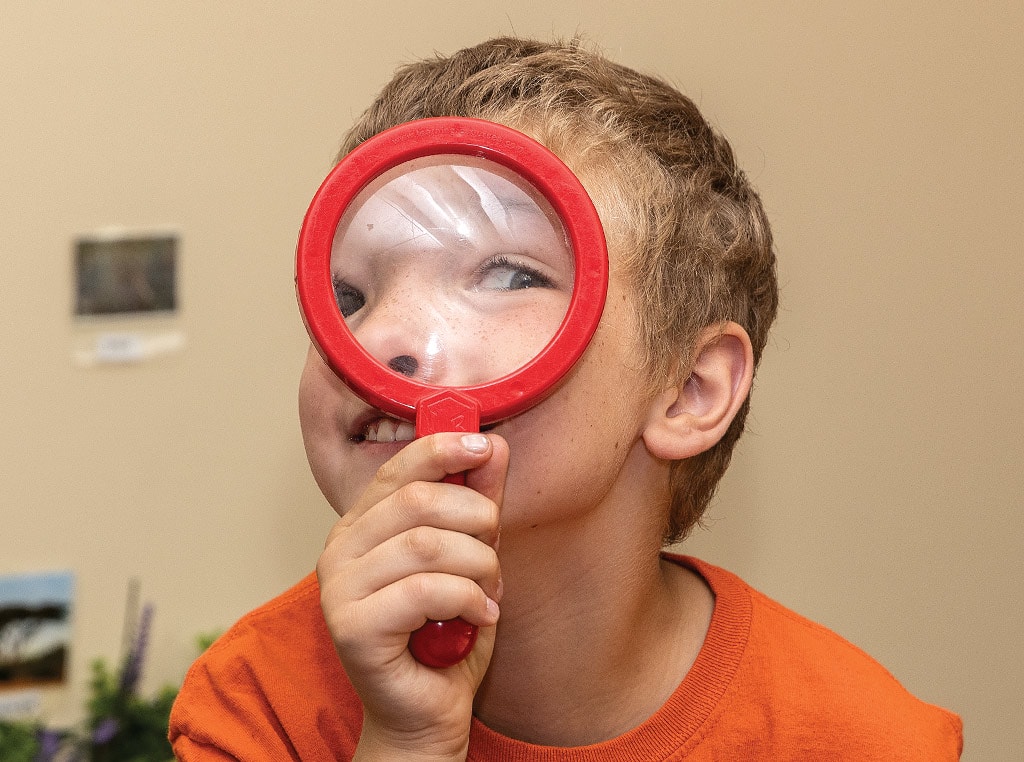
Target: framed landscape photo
35	628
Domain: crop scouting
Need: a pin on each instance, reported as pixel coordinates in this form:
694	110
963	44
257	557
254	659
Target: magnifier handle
444	644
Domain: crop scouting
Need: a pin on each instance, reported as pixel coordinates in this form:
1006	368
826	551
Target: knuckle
436	444
425	544
492	516
417	500
390	471
486	525
336	536
416	494
493	563
420	587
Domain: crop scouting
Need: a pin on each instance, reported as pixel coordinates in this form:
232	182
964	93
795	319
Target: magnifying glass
451	271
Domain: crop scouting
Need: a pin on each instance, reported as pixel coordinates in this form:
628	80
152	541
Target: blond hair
691	234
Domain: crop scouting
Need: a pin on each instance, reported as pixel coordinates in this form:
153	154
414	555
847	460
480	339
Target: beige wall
879	490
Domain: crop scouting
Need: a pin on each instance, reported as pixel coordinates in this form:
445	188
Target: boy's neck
572	662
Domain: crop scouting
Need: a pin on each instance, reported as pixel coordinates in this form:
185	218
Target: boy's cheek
338	483
321	437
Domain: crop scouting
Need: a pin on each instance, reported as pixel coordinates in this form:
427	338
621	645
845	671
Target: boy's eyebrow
520	205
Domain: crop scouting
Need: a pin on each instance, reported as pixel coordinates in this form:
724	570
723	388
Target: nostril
404	364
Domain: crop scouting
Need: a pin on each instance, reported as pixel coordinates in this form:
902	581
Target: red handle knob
443	644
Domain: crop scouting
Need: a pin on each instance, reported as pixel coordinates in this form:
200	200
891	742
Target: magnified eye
350	299
504	274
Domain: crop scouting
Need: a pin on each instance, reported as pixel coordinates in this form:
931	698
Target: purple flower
49	745
132	670
105	731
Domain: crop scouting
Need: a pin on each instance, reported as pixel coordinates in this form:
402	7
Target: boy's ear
689	418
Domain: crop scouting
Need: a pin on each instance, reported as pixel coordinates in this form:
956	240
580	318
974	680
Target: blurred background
879	488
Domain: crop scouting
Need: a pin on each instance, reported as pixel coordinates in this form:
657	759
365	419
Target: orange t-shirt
767	684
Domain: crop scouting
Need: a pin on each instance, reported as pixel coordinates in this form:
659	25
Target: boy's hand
412	549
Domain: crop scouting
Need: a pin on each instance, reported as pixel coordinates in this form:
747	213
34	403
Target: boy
601	641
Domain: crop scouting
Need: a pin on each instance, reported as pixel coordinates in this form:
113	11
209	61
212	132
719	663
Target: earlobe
691	416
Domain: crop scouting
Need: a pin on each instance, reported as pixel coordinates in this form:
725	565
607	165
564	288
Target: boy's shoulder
260	687
297	606
285	635
791	678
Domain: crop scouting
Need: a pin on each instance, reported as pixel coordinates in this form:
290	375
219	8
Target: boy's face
451	270
566	452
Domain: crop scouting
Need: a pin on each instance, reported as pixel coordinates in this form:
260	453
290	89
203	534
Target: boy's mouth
384	430
381	429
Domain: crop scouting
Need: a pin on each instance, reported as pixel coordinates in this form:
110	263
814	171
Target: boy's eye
350	299
503	274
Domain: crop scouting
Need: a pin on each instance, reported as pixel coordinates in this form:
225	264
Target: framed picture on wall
125	274
35	628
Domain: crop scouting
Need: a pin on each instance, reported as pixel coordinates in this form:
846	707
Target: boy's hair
691	235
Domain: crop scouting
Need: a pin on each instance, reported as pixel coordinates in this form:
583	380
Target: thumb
475	665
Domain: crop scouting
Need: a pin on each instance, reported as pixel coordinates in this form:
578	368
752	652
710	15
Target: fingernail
475	443
492	609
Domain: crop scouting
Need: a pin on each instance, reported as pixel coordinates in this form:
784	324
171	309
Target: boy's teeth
388	430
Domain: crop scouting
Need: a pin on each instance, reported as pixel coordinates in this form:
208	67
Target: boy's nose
406	342
407	365
402	330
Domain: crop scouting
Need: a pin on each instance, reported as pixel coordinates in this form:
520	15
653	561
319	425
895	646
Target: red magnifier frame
437	408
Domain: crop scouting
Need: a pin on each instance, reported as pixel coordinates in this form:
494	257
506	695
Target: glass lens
452	270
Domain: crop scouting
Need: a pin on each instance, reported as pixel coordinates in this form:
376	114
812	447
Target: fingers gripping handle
445	644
